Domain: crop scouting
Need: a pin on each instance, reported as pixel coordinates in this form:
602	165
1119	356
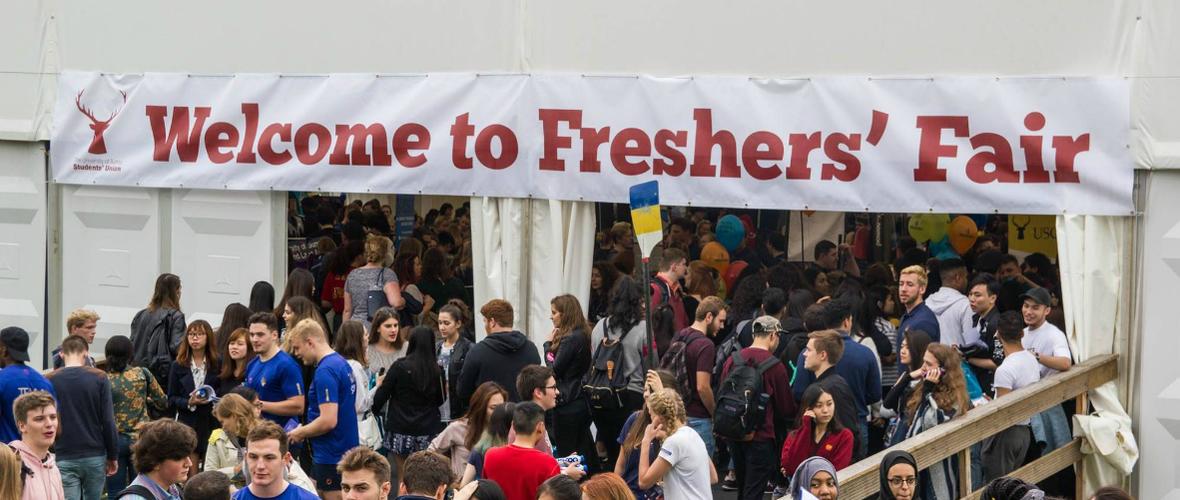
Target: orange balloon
716	256
963	233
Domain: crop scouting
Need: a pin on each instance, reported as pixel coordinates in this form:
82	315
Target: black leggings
610	423
570	432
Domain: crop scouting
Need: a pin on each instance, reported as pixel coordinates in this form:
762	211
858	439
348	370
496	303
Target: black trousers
610	423
756	464
570	432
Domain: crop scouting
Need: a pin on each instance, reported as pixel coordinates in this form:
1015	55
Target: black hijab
893	458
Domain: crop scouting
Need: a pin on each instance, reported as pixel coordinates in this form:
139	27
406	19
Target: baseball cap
1038	295
16	339
766	324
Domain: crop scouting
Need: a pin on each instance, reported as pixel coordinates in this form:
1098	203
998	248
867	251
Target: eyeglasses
898	481
196	334
554	387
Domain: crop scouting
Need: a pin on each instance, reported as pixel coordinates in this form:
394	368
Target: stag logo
97	145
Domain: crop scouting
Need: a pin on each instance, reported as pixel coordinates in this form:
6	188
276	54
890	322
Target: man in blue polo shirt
274	374
331	411
911	286
16	378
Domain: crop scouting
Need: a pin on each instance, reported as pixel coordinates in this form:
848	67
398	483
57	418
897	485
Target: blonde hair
918	271
79	317
238	412
306	329
10	473
376	248
666	404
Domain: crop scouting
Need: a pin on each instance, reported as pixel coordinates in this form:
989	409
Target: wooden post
964	472
1082	407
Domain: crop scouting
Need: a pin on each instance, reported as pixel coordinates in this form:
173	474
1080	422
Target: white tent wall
23	220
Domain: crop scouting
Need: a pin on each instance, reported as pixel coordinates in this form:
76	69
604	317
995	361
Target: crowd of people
365	378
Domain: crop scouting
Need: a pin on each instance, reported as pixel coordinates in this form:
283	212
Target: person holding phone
942	397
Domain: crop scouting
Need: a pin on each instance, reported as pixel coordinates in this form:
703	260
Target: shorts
405	445
326	477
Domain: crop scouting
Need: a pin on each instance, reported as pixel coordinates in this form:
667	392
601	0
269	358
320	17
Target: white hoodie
954	317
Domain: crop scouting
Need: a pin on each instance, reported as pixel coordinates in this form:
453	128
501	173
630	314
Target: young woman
462	434
11	479
350	343
818	434
133	390
683	463
495	435
451	352
373	276
818	477
607	486
409	271
386	344
911	353
942	397
226	450
817	280
627	465
300	308
602	278
239	351
437	279
300	283
344	260
700	283
164	308
235	316
899	476
262	297
415	384
567	352
624	323
196	366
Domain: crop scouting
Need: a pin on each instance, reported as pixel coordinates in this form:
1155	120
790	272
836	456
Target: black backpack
137	490
673	361
156	352
605	382
741	401
731	344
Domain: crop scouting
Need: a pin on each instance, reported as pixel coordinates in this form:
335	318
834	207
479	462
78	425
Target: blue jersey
333	383
291	493
14	381
275	380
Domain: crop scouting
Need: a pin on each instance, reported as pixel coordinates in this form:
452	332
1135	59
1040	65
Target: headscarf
893	458
1010	488
808	469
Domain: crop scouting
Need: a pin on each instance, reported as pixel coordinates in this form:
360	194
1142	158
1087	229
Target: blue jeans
704	428
83	478
126	472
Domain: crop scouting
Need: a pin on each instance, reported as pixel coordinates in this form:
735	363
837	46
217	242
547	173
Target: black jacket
414	402
180	385
570	364
458	357
835	385
498	358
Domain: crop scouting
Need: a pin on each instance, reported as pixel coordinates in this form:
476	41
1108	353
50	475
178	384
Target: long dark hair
118	354
423	365
434	265
747	298
477	413
916	341
380	317
798	302
350	341
609	274
344	256
626	305
166	293
810	398
300	283
572	319
403	266
235	316
262	297
232	369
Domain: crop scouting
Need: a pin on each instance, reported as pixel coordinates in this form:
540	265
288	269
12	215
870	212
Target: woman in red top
819	433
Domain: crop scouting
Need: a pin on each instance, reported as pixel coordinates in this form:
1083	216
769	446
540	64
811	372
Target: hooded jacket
954	317
498	358
45	481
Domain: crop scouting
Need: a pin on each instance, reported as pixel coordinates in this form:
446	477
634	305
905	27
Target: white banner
953	145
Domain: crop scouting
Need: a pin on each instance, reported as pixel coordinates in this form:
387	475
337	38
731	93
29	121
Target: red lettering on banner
801	147
674	161
408	138
220	135
508	147
550	118
832	148
1000	156
361	136
762	146
1034	165
591	140
460	132
1066	149
250	111
931	148
266	149
323	143
188	142
630	142
702	163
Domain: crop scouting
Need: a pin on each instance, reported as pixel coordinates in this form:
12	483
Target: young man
824	350
666	287
699	352
16	378
162	456
427	476
856	365
1044	340
364	475
208	485
499	356
756	460
911	286
951	307
1013	283
331	406
983	294
519	468
537	384
91	451
267	459
1004	452
273	374
36	417
83	323
827	258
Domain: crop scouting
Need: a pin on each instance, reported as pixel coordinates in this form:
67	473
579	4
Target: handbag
376	299
369	431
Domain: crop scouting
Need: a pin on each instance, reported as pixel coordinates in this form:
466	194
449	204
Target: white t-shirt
689	477
1047	340
1017	371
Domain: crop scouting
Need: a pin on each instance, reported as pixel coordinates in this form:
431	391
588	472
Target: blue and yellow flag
645	216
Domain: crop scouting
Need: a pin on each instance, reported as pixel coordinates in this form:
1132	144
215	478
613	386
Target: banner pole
650	346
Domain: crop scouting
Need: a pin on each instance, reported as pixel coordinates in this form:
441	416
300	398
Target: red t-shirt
334	291
518	470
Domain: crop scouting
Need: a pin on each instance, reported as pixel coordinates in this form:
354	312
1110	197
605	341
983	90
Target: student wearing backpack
614	383
691	358
665	288
156	331
756	385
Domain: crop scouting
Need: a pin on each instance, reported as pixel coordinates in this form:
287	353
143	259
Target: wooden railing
860	480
